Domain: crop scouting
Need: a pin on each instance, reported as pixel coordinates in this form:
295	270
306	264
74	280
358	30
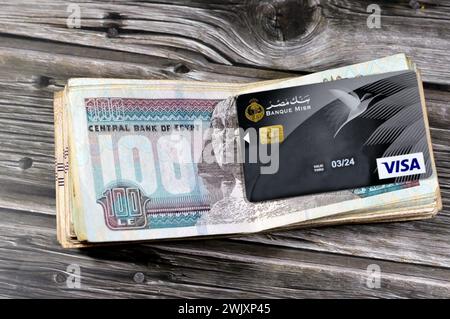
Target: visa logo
401	165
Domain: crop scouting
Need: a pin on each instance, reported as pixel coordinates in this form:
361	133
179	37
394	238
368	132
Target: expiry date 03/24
343	162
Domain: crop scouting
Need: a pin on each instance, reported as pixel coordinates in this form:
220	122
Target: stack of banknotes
143	160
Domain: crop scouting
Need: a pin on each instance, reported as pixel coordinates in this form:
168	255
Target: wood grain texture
225	40
210	268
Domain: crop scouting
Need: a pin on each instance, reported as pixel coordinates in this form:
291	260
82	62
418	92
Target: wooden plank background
227	40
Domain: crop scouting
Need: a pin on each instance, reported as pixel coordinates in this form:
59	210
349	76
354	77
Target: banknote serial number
343	162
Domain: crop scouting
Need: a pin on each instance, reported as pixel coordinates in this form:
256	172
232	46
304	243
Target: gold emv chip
273	134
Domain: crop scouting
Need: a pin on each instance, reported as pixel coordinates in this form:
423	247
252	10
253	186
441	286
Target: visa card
331	136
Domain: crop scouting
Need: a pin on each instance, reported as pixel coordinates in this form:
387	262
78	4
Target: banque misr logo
254	111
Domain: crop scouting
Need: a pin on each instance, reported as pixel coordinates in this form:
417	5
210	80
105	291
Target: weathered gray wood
213	268
284	34
424	242
214	41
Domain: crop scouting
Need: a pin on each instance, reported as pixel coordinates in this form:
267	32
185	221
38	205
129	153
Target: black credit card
331	136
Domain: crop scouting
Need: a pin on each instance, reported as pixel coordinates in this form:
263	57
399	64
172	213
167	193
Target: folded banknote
142	160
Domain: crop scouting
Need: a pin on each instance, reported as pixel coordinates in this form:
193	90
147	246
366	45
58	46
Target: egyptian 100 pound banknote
137	146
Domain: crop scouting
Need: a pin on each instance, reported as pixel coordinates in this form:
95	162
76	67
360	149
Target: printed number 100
135	161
